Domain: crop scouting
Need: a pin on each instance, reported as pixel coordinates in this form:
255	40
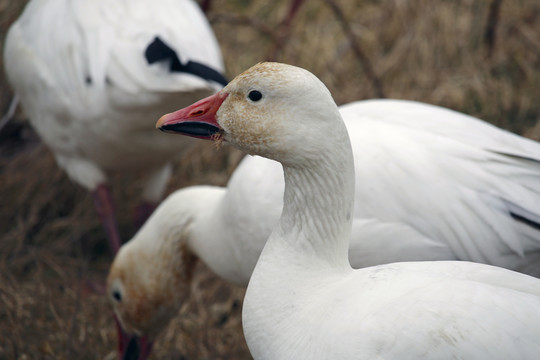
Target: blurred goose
431	184
304	300
93	75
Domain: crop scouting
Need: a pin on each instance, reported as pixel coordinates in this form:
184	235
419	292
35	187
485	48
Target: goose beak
197	120
132	347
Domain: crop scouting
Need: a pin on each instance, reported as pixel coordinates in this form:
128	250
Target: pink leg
143	212
131	346
105	209
292	12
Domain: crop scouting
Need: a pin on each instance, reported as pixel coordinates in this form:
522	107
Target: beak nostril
198	112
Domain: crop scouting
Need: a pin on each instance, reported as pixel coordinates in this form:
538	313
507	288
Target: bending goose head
150	277
239	114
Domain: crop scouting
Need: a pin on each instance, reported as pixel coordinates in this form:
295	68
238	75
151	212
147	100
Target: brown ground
52	244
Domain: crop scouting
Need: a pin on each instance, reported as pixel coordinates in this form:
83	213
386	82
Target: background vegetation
52	246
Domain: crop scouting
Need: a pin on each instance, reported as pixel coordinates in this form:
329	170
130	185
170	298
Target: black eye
255	95
117	295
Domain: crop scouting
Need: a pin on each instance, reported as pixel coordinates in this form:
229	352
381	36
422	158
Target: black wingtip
158	51
525	220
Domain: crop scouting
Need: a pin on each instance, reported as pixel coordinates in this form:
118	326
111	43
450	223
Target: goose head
254	110
150	277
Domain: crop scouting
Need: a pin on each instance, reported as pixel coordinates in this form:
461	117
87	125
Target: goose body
92	74
304	300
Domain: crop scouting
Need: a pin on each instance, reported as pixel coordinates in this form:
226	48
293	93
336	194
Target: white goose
404	153
304	301
93	75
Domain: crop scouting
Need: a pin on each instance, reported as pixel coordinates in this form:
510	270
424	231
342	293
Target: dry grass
51	243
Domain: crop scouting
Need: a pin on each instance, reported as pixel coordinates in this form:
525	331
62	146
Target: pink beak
198	120
132	347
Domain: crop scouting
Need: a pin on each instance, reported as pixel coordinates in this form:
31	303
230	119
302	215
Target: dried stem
366	64
240	20
279	34
206	5
282	34
491	26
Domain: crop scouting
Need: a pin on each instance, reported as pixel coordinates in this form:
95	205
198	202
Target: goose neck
318	206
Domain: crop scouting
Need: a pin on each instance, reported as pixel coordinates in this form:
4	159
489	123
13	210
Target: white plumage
93	75
304	301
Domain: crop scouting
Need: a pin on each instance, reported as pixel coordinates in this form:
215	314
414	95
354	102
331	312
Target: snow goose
92	74
304	300
432	169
